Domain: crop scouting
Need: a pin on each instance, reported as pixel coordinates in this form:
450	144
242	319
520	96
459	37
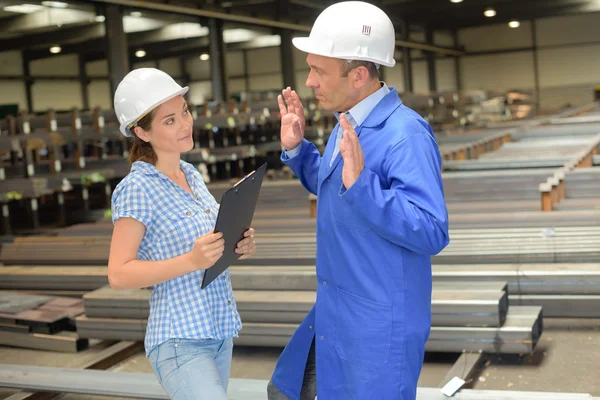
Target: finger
249	232
215	245
345	123
297	103
282	108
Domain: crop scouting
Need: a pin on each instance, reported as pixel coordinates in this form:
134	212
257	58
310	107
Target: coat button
324	283
310	327
322	338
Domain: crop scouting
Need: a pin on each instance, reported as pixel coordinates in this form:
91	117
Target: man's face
333	91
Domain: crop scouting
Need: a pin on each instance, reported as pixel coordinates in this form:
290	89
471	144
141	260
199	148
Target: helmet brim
124	125
308	45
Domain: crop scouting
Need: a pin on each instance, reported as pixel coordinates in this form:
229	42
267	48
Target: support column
407	60
83	82
28	81
287	61
457	63
430	61
246	72
536	68
217	60
116	43
185	76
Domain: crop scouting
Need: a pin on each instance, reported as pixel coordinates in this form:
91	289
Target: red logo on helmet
366	30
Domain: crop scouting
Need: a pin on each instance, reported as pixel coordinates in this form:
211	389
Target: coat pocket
346	218
363	330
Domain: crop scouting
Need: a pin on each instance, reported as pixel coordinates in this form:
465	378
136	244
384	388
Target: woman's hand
207	250
246	247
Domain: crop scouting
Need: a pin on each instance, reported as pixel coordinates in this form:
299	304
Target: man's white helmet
141	91
352	30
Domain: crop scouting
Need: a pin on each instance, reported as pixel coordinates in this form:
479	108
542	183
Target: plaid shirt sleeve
129	200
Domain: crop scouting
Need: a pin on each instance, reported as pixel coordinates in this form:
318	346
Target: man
380	217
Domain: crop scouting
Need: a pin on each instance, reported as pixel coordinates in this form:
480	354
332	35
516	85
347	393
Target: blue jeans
190	369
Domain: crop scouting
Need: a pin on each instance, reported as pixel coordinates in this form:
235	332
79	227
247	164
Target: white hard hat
352	30
141	91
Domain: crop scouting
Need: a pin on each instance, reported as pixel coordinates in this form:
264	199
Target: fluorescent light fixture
514	24
135	14
490	12
55	49
140	53
100	18
204	57
55	4
456	1
23	8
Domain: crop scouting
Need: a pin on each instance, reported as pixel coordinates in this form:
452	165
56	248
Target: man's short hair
349	66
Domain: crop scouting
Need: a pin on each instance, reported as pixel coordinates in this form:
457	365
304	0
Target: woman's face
172	127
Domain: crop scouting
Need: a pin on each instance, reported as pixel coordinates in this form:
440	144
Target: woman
163	237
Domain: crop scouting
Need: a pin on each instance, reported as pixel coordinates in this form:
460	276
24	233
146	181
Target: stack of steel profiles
280	246
582	183
518	335
52	278
40	322
55	252
486	306
563	290
145	386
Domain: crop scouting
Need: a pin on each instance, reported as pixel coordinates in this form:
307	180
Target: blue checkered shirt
174	219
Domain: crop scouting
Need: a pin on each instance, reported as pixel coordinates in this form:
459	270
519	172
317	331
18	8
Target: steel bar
519	334
449	307
69	342
146	386
464	367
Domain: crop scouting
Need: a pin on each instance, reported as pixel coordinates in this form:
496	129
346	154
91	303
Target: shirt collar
359	113
149	169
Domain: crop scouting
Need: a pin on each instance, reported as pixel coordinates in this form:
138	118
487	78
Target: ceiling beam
44	18
243	19
60	36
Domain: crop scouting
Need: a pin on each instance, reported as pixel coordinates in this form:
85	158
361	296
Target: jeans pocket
363	330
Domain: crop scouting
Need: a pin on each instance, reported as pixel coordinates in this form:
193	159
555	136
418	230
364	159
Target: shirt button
187	213
224	277
229	302
207	211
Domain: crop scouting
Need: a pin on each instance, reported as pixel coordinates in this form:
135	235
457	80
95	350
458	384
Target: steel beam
118	60
218	69
287	60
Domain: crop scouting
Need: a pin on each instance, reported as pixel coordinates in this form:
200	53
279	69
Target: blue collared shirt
174	219
356	115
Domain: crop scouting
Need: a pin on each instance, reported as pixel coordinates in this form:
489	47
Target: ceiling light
490	12
55	49
55	4
140	53
100	18
456	1
135	14
514	24
204	57
23	8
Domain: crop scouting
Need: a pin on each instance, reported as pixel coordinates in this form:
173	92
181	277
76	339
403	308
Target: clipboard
236	212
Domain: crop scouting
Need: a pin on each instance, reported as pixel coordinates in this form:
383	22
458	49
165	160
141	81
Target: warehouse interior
510	87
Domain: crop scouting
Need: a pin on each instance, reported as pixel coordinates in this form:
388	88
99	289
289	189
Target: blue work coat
372	315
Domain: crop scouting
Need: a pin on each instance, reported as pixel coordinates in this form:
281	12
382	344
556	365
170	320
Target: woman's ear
142	134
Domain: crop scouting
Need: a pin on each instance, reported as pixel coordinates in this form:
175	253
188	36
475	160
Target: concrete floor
565	361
